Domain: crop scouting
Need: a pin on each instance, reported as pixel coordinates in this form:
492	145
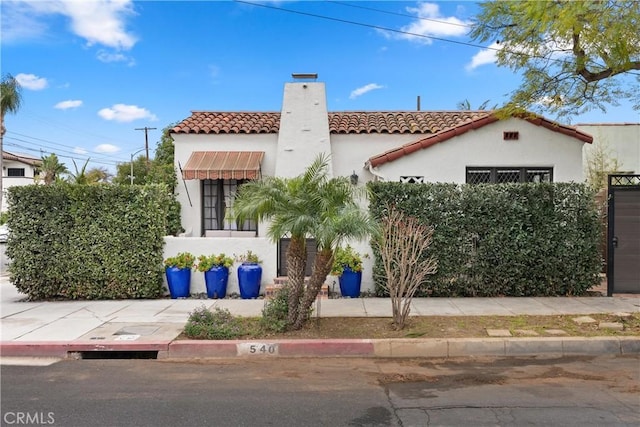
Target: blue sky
94	71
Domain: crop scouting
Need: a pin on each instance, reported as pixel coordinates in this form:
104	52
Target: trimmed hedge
87	241
507	239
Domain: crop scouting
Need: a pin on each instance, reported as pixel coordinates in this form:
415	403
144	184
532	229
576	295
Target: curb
370	348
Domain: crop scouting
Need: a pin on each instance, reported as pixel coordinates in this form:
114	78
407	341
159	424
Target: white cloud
97	21
485	56
364	89
430	22
126	113
19	23
65	105
105	56
80	150
106	148
31	81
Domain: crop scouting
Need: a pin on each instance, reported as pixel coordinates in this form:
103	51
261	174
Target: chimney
304	125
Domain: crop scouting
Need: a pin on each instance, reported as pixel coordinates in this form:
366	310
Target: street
578	391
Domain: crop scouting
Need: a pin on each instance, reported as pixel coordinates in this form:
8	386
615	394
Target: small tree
600	163
402	244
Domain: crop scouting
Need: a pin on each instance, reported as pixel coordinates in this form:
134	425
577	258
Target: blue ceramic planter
216	279
350	283
249	277
179	281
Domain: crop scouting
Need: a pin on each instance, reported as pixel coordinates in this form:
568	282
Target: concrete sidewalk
57	328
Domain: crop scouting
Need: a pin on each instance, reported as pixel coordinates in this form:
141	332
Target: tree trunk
296	266
321	268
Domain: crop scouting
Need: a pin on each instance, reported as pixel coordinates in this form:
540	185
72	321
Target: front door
283	245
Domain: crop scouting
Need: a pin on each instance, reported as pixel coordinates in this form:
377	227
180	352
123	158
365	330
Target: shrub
87	241
219	324
276	311
346	257
206	262
181	260
508	239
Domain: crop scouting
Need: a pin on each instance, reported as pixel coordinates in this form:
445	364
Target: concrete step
279	282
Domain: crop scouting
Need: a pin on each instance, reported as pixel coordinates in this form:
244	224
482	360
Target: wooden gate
623	265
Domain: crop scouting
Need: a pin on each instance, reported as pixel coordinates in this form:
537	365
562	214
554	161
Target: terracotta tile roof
447	134
348	122
399	121
223	165
33	161
229	122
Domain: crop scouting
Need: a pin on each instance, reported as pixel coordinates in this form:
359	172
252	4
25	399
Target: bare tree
403	243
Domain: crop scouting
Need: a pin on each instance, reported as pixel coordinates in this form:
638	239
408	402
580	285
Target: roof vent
304	76
510	136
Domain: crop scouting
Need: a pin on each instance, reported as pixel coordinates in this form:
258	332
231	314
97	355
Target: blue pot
249	277
216	279
179	281
350	283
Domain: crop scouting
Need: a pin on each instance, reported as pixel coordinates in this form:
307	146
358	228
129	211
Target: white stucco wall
536	146
263	247
304	128
15	181
620	140
186	144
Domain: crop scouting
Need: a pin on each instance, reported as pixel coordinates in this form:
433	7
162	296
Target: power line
361	24
98	155
388	12
393	30
146	140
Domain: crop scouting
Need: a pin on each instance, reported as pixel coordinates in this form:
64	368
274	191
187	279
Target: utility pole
146	140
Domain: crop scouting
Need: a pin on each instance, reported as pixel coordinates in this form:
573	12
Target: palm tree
80	177
466	105
11	98
98	174
311	205
52	168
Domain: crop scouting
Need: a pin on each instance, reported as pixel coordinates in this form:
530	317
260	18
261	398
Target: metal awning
223	165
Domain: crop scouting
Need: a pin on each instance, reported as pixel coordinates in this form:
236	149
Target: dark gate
623	265
282	256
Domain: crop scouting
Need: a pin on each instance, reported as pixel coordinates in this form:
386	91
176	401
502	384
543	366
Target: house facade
215	152
17	169
620	141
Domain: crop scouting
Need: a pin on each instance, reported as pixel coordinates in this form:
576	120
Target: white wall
15	181
304	128
536	146
263	247
185	144
621	140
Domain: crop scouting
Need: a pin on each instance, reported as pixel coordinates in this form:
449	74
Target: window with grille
217	205
502	175
412	179
15	171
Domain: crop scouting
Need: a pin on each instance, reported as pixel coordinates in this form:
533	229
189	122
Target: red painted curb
199	348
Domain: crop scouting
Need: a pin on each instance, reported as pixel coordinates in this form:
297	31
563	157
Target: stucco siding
535	146
190	197
620	141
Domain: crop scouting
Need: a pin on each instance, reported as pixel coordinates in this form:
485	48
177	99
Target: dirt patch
442	327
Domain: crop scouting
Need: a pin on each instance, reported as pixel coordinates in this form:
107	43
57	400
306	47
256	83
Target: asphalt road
581	391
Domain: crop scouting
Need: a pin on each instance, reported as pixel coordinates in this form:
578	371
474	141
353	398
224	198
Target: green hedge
507	239
87	241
